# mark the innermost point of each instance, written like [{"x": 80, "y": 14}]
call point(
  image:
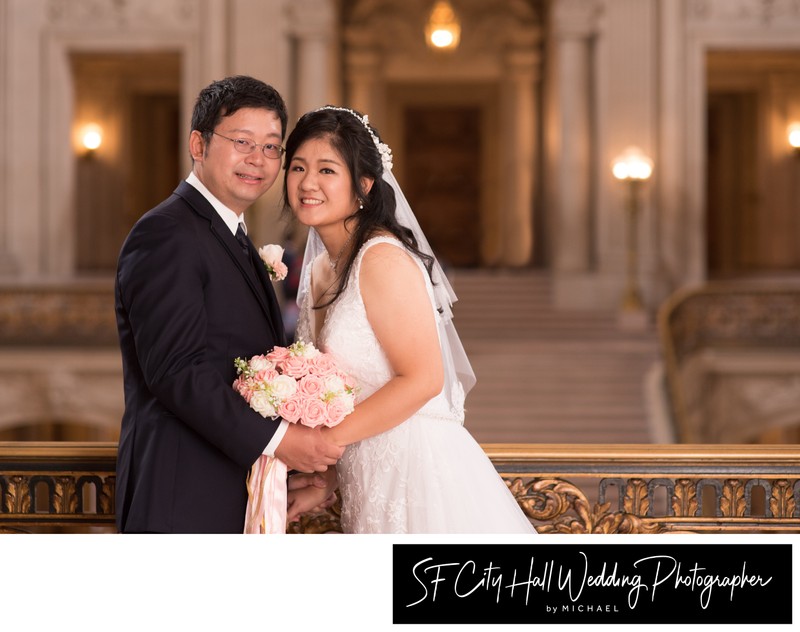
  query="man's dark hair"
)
[{"x": 222, "y": 98}]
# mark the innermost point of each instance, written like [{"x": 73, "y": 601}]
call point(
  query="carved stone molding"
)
[
  {"x": 395, "y": 27},
  {"x": 57, "y": 316},
  {"x": 743, "y": 12},
  {"x": 310, "y": 18},
  {"x": 576, "y": 18},
  {"x": 173, "y": 14},
  {"x": 732, "y": 359}
]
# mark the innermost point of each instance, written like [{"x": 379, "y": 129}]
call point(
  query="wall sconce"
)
[
  {"x": 793, "y": 134},
  {"x": 90, "y": 138},
  {"x": 443, "y": 30},
  {"x": 633, "y": 168}
]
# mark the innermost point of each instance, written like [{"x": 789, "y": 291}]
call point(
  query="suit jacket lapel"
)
[{"x": 252, "y": 270}]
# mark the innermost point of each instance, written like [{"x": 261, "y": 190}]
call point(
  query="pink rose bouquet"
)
[{"x": 300, "y": 384}]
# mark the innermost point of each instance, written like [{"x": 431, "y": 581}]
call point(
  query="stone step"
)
[{"x": 547, "y": 375}]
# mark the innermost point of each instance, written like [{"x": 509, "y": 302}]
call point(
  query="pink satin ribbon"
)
[{"x": 266, "y": 496}]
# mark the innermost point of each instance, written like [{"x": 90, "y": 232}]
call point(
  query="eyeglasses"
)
[{"x": 247, "y": 146}]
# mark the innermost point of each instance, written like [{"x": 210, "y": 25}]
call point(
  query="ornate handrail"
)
[
  {"x": 76, "y": 314},
  {"x": 733, "y": 316},
  {"x": 562, "y": 488},
  {"x": 57, "y": 485}
]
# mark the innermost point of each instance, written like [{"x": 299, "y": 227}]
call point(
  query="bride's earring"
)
[{"x": 360, "y": 205}]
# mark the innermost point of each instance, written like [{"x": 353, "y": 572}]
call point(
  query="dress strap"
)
[{"x": 387, "y": 239}]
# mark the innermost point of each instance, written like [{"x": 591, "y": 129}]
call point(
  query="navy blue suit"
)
[{"x": 188, "y": 301}]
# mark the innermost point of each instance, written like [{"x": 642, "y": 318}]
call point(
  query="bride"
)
[{"x": 374, "y": 296}]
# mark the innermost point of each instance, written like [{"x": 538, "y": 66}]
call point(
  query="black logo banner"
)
[{"x": 588, "y": 583}]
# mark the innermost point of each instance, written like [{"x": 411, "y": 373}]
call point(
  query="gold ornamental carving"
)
[
  {"x": 60, "y": 495},
  {"x": 733, "y": 502},
  {"x": 105, "y": 498},
  {"x": 555, "y": 485},
  {"x": 636, "y": 497},
  {"x": 558, "y": 506},
  {"x": 782, "y": 503},
  {"x": 65, "y": 498},
  {"x": 684, "y": 499},
  {"x": 18, "y": 497},
  {"x": 564, "y": 508}
]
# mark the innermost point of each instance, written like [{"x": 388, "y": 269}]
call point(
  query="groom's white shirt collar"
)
[{"x": 231, "y": 219}]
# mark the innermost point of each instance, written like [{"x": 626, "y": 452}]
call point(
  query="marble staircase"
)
[{"x": 548, "y": 376}]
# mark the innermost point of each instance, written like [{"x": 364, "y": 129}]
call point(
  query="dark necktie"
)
[{"x": 242, "y": 239}]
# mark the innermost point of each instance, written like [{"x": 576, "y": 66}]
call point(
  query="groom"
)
[{"x": 191, "y": 295}]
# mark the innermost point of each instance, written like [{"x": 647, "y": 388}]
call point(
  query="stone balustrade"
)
[{"x": 732, "y": 362}]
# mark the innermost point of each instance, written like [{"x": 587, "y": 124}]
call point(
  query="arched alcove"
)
[
  {"x": 134, "y": 100},
  {"x": 487, "y": 91}
]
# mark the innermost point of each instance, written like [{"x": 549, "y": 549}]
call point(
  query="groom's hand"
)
[
  {"x": 301, "y": 481},
  {"x": 307, "y": 450}
]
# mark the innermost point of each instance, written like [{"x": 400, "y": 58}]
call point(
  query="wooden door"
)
[
  {"x": 442, "y": 178},
  {"x": 733, "y": 197}
]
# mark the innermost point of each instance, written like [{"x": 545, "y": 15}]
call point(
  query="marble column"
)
[
  {"x": 519, "y": 133},
  {"x": 25, "y": 184},
  {"x": 313, "y": 26},
  {"x": 7, "y": 262},
  {"x": 363, "y": 81},
  {"x": 574, "y": 24}
]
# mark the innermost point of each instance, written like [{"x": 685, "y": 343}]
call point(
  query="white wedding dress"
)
[{"x": 426, "y": 475}]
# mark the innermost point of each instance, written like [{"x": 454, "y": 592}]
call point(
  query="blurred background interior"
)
[{"x": 613, "y": 186}]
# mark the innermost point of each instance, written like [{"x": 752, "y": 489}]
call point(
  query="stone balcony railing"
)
[
  {"x": 732, "y": 361},
  {"x": 65, "y": 486}
]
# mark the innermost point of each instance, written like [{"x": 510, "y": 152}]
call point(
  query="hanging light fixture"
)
[{"x": 443, "y": 30}]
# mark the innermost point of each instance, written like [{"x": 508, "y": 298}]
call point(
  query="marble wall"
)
[{"x": 576, "y": 82}]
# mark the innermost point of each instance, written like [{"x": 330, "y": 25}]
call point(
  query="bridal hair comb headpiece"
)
[{"x": 383, "y": 149}]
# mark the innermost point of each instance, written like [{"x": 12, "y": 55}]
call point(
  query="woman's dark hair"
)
[
  {"x": 226, "y": 96},
  {"x": 347, "y": 134}
]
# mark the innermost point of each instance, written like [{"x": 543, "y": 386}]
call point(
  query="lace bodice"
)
[{"x": 348, "y": 336}]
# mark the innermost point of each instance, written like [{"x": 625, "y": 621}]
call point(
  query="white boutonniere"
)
[{"x": 272, "y": 256}]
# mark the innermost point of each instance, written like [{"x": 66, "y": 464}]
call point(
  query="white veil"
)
[{"x": 459, "y": 377}]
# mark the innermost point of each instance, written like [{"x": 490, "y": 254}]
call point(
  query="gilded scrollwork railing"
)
[
  {"x": 46, "y": 486},
  {"x": 562, "y": 488},
  {"x": 644, "y": 488}
]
